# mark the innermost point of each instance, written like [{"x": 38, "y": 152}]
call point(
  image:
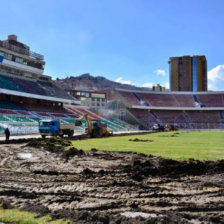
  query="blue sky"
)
[{"x": 123, "y": 40}]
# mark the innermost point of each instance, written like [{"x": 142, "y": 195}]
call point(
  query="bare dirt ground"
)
[{"x": 109, "y": 187}]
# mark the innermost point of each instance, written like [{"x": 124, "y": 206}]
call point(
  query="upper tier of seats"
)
[
  {"x": 211, "y": 100},
  {"x": 33, "y": 87},
  {"x": 192, "y": 100}
]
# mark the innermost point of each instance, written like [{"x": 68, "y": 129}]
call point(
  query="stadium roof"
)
[
  {"x": 176, "y": 108},
  {"x": 36, "y": 96},
  {"x": 169, "y": 92}
]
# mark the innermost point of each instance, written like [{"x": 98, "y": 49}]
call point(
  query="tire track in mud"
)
[{"x": 109, "y": 184}]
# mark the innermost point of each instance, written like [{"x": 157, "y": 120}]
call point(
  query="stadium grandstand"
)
[
  {"x": 188, "y": 110},
  {"x": 27, "y": 95}
]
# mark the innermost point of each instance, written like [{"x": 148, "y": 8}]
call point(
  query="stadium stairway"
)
[
  {"x": 155, "y": 117},
  {"x": 196, "y": 101},
  {"x": 136, "y": 96},
  {"x": 188, "y": 119},
  {"x": 221, "y": 118},
  {"x": 143, "y": 103}
]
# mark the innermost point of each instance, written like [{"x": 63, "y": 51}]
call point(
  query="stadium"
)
[
  {"x": 136, "y": 176},
  {"x": 27, "y": 95}
]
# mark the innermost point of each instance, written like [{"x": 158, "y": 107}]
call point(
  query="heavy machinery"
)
[
  {"x": 158, "y": 127},
  {"x": 55, "y": 128},
  {"x": 172, "y": 127},
  {"x": 94, "y": 127}
]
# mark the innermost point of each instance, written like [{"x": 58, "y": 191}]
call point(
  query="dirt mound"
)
[
  {"x": 73, "y": 152},
  {"x": 54, "y": 144},
  {"x": 156, "y": 166},
  {"x": 140, "y": 140}
]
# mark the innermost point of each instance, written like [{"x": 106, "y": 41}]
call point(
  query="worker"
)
[{"x": 7, "y": 134}]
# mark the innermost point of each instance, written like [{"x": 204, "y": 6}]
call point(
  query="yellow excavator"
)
[{"x": 95, "y": 128}]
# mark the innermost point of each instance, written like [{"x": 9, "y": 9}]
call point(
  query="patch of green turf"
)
[
  {"x": 201, "y": 145},
  {"x": 13, "y": 216}
]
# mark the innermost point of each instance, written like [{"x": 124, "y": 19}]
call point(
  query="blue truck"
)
[{"x": 55, "y": 127}]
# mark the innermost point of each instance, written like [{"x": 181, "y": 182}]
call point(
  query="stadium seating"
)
[
  {"x": 4, "y": 118},
  {"x": 144, "y": 116},
  {"x": 2, "y": 129},
  {"x": 28, "y": 86},
  {"x": 183, "y": 119},
  {"x": 21, "y": 119},
  {"x": 158, "y": 100},
  {"x": 130, "y": 98},
  {"x": 81, "y": 111},
  {"x": 3, "y": 111},
  {"x": 173, "y": 117},
  {"x": 53, "y": 90},
  {"x": 33, "y": 87},
  {"x": 111, "y": 124},
  {"x": 9, "y": 105},
  {"x": 184, "y": 100},
  {"x": 205, "y": 119},
  {"x": 5, "y": 83},
  {"x": 211, "y": 100},
  {"x": 153, "y": 99}
]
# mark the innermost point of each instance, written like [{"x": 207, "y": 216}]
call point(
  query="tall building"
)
[{"x": 188, "y": 73}]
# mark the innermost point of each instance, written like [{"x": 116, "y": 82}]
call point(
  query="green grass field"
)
[
  {"x": 201, "y": 145},
  {"x": 14, "y": 216}
]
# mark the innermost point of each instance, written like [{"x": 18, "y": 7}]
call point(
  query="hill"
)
[{"x": 89, "y": 82}]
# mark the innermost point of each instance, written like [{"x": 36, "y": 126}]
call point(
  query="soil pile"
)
[
  {"x": 140, "y": 140},
  {"x": 109, "y": 187}
]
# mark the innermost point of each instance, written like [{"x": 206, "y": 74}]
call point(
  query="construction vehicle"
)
[
  {"x": 55, "y": 128},
  {"x": 172, "y": 127},
  {"x": 158, "y": 127},
  {"x": 94, "y": 127}
]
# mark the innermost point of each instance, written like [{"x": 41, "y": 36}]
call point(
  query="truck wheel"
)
[
  {"x": 71, "y": 133},
  {"x": 56, "y": 134},
  {"x": 43, "y": 136},
  {"x": 61, "y": 135}
]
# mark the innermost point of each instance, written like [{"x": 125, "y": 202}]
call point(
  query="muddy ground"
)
[{"x": 109, "y": 187}]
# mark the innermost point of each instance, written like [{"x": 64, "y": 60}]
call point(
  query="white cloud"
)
[
  {"x": 167, "y": 85},
  {"x": 216, "y": 73},
  {"x": 216, "y": 78},
  {"x": 122, "y": 81},
  {"x": 147, "y": 85},
  {"x": 160, "y": 72}
]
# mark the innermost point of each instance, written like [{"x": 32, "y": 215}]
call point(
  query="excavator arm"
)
[{"x": 88, "y": 120}]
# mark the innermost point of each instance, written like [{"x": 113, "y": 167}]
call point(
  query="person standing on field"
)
[{"x": 7, "y": 135}]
